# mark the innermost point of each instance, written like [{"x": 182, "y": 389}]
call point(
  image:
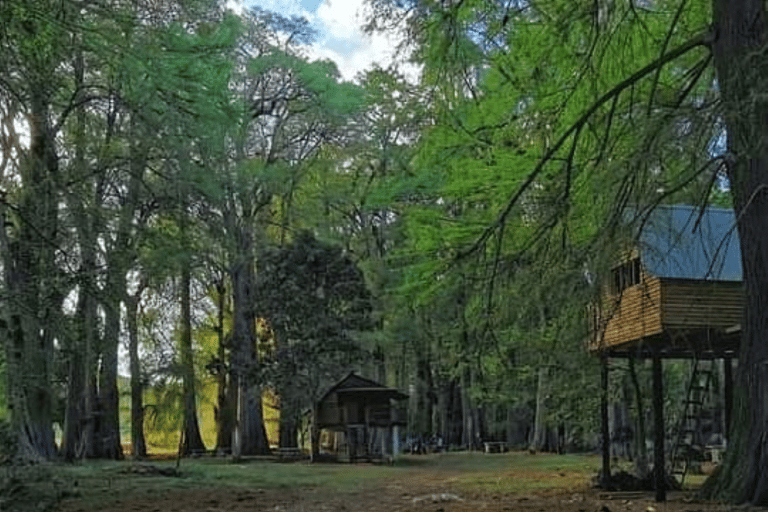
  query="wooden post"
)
[
  {"x": 728, "y": 392},
  {"x": 659, "y": 471},
  {"x": 395, "y": 441},
  {"x": 605, "y": 477}
]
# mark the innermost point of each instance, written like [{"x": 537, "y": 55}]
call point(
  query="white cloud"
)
[
  {"x": 284, "y": 7},
  {"x": 340, "y": 37},
  {"x": 343, "y": 40}
]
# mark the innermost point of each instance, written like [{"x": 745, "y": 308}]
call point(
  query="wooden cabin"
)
[
  {"x": 358, "y": 419},
  {"x": 678, "y": 291}
]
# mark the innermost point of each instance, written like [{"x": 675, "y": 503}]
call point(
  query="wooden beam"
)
[
  {"x": 659, "y": 471},
  {"x": 728, "y": 392},
  {"x": 605, "y": 476}
]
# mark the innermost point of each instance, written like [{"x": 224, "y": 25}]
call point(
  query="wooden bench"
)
[
  {"x": 289, "y": 454},
  {"x": 495, "y": 446}
]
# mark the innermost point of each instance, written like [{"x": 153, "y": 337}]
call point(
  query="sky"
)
[{"x": 339, "y": 35}]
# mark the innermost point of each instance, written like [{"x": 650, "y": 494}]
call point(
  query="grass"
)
[
  {"x": 472, "y": 472},
  {"x": 96, "y": 483},
  {"x": 100, "y": 482},
  {"x": 517, "y": 472}
]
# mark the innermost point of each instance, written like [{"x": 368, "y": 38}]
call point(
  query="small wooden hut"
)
[
  {"x": 678, "y": 293},
  {"x": 358, "y": 419}
]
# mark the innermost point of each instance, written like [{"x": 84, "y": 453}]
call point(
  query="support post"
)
[
  {"x": 659, "y": 471},
  {"x": 728, "y": 392},
  {"x": 395, "y": 441},
  {"x": 605, "y": 476}
]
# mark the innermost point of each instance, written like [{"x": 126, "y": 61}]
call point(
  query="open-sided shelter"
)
[
  {"x": 676, "y": 293},
  {"x": 360, "y": 418}
]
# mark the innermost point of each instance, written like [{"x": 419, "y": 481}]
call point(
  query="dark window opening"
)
[{"x": 625, "y": 275}]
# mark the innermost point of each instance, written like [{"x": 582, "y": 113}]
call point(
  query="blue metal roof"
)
[{"x": 684, "y": 242}]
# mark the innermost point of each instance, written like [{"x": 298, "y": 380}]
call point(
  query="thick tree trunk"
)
[
  {"x": 192, "y": 441},
  {"x": 78, "y": 435},
  {"x": 742, "y": 69},
  {"x": 225, "y": 398},
  {"x": 138, "y": 443},
  {"x": 250, "y": 435},
  {"x": 225, "y": 414},
  {"x": 108, "y": 434},
  {"x": 75, "y": 415},
  {"x": 31, "y": 287}
]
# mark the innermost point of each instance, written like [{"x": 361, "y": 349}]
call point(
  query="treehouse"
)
[
  {"x": 677, "y": 293},
  {"x": 358, "y": 419}
]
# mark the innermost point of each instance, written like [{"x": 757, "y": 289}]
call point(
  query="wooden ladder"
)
[{"x": 688, "y": 427}]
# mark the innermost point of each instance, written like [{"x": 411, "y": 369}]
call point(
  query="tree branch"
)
[{"x": 704, "y": 39}]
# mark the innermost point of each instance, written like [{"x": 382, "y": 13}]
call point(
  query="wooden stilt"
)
[
  {"x": 659, "y": 471},
  {"x": 605, "y": 476},
  {"x": 728, "y": 392}
]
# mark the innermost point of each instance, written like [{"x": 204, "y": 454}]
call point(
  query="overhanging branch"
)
[{"x": 704, "y": 39}]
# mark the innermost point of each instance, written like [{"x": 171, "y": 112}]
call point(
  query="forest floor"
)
[{"x": 455, "y": 482}]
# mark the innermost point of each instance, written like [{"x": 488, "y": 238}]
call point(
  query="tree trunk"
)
[
  {"x": 314, "y": 434},
  {"x": 75, "y": 415},
  {"x": 467, "y": 428},
  {"x": 641, "y": 460},
  {"x": 225, "y": 398},
  {"x": 138, "y": 443},
  {"x": 31, "y": 287},
  {"x": 108, "y": 444},
  {"x": 742, "y": 69},
  {"x": 192, "y": 441},
  {"x": 289, "y": 430},
  {"x": 78, "y": 435},
  {"x": 251, "y": 435},
  {"x": 539, "y": 440}
]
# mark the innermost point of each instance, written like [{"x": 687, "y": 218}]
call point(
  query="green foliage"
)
[
  {"x": 315, "y": 299},
  {"x": 546, "y": 127}
]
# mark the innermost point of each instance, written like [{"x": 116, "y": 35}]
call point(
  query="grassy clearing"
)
[
  {"x": 100, "y": 482},
  {"x": 517, "y": 472},
  {"x": 472, "y": 472}
]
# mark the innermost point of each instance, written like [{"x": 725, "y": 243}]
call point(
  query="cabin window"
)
[{"x": 626, "y": 275}]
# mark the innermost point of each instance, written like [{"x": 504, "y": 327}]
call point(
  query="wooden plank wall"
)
[
  {"x": 329, "y": 412},
  {"x": 635, "y": 314},
  {"x": 692, "y": 304}
]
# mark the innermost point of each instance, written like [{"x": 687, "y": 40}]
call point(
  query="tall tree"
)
[
  {"x": 620, "y": 103},
  {"x": 289, "y": 109},
  {"x": 315, "y": 299},
  {"x": 33, "y": 46}
]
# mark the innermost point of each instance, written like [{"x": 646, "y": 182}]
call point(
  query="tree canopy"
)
[{"x": 446, "y": 236}]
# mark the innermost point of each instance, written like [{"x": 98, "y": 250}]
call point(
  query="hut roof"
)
[
  {"x": 686, "y": 242},
  {"x": 354, "y": 384}
]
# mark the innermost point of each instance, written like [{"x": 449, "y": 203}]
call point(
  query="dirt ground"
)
[{"x": 425, "y": 491}]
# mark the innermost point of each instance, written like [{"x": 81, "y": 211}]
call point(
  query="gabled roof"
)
[
  {"x": 687, "y": 243},
  {"x": 355, "y": 384}
]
